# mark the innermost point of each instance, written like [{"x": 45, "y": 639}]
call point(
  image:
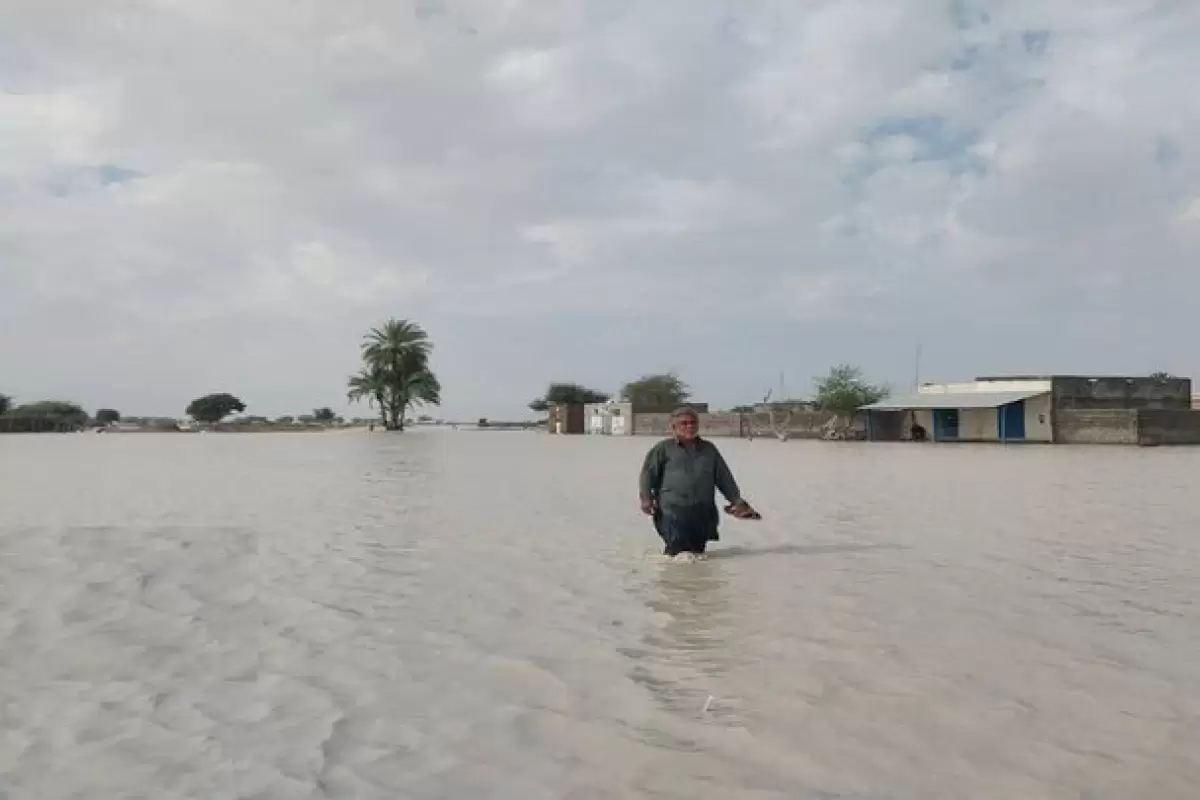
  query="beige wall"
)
[
  {"x": 925, "y": 420},
  {"x": 978, "y": 425},
  {"x": 725, "y": 423},
  {"x": 982, "y": 425},
  {"x": 1038, "y": 418}
]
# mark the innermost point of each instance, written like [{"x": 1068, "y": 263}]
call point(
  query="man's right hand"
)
[{"x": 649, "y": 507}]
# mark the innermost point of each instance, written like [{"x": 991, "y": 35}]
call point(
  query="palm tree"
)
[
  {"x": 396, "y": 371},
  {"x": 420, "y": 386},
  {"x": 369, "y": 384}
]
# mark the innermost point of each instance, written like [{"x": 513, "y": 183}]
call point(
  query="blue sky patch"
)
[
  {"x": 1035, "y": 42},
  {"x": 70, "y": 181},
  {"x": 1167, "y": 152},
  {"x": 935, "y": 141}
]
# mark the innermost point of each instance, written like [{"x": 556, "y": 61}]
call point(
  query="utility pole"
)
[{"x": 917, "y": 370}]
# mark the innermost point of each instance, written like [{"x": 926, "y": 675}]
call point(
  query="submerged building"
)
[{"x": 1050, "y": 409}]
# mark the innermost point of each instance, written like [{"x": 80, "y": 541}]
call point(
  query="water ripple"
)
[{"x": 440, "y": 615}]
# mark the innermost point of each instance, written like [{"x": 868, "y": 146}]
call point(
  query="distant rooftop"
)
[{"x": 1051, "y": 376}]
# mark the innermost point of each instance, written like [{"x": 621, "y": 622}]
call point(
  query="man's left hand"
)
[{"x": 742, "y": 510}]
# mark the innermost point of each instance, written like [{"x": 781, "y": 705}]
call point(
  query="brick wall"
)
[
  {"x": 1168, "y": 426},
  {"x": 1096, "y": 426}
]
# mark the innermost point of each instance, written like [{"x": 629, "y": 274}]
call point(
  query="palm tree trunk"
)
[
  {"x": 401, "y": 412},
  {"x": 383, "y": 415},
  {"x": 394, "y": 414}
]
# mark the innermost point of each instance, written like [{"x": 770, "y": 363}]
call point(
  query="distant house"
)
[
  {"x": 1050, "y": 408},
  {"x": 612, "y": 418}
]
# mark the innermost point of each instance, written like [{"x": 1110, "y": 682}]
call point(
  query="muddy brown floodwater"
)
[{"x": 472, "y": 614}]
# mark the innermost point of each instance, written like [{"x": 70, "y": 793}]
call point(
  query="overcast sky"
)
[{"x": 223, "y": 195}]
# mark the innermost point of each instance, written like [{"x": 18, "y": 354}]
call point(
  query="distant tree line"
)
[
  {"x": 43, "y": 416},
  {"x": 841, "y": 391},
  {"x": 60, "y": 416},
  {"x": 660, "y": 390}
]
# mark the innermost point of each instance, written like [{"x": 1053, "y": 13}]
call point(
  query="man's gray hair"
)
[{"x": 684, "y": 411}]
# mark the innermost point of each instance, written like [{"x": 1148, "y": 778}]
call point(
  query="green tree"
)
[
  {"x": 660, "y": 391},
  {"x": 45, "y": 415},
  {"x": 396, "y": 373},
  {"x": 843, "y": 390},
  {"x": 5, "y": 404},
  {"x": 369, "y": 385},
  {"x": 213, "y": 408},
  {"x": 107, "y": 416},
  {"x": 324, "y": 414},
  {"x": 567, "y": 393}
]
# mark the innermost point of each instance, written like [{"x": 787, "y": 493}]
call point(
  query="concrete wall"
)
[
  {"x": 801, "y": 425},
  {"x": 656, "y": 423},
  {"x": 722, "y": 423},
  {"x": 1096, "y": 426},
  {"x": 1082, "y": 392},
  {"x": 1039, "y": 418},
  {"x": 924, "y": 417},
  {"x": 699, "y": 408},
  {"x": 1168, "y": 426}
]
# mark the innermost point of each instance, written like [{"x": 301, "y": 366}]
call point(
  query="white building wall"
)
[
  {"x": 620, "y": 419},
  {"x": 924, "y": 417},
  {"x": 983, "y": 425},
  {"x": 1037, "y": 418},
  {"x": 600, "y": 419}
]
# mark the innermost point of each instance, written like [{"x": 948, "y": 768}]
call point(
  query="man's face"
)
[{"x": 686, "y": 426}]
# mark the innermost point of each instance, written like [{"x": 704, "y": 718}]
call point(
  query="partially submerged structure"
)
[
  {"x": 1049, "y": 408},
  {"x": 565, "y": 418},
  {"x": 612, "y": 418}
]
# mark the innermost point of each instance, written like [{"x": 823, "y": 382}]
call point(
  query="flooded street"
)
[{"x": 484, "y": 615}]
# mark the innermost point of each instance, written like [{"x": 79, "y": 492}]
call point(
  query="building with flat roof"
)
[{"x": 1040, "y": 408}]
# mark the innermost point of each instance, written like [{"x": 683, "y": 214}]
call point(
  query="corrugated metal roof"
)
[{"x": 949, "y": 400}]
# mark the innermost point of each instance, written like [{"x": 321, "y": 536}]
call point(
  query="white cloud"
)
[{"x": 497, "y": 167}]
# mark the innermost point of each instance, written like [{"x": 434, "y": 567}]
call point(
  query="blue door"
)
[
  {"x": 945, "y": 423},
  {"x": 1011, "y": 421}
]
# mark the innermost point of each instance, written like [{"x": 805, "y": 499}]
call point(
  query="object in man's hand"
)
[{"x": 742, "y": 511}]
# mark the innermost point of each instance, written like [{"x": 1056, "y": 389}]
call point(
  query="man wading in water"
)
[{"x": 676, "y": 486}]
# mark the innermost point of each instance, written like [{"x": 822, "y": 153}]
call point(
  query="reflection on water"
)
[{"x": 689, "y": 640}]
